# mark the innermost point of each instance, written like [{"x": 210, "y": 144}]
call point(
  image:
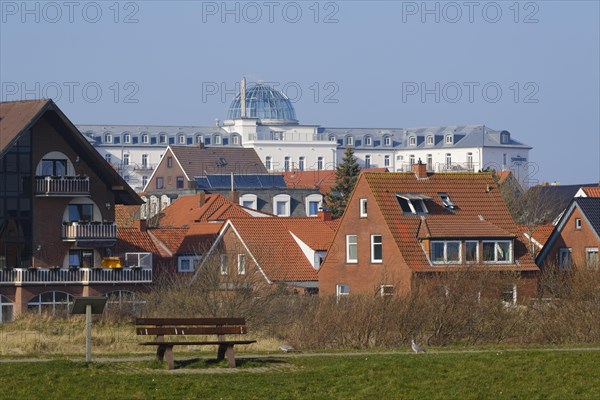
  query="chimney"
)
[
  {"x": 324, "y": 215},
  {"x": 141, "y": 225},
  {"x": 201, "y": 198},
  {"x": 420, "y": 170},
  {"x": 235, "y": 196}
]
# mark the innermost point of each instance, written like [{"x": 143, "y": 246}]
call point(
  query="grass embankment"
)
[{"x": 566, "y": 374}]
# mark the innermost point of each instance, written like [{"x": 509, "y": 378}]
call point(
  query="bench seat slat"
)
[
  {"x": 190, "y": 321},
  {"x": 197, "y": 343},
  {"x": 193, "y": 330}
]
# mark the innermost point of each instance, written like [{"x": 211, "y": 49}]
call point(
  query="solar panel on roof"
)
[{"x": 245, "y": 181}]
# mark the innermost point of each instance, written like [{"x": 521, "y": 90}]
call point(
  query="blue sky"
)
[{"x": 528, "y": 67}]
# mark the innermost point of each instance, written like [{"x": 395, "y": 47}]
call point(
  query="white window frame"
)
[
  {"x": 126, "y": 159},
  {"x": 411, "y": 160},
  {"x": 145, "y": 138},
  {"x": 248, "y": 197},
  {"x": 368, "y": 161},
  {"x": 224, "y": 266},
  {"x": 235, "y": 139},
  {"x": 449, "y": 139},
  {"x": 349, "y": 140},
  {"x": 362, "y": 208},
  {"x": 430, "y": 162},
  {"x": 311, "y": 199},
  {"x": 373, "y": 244},
  {"x": 217, "y": 139},
  {"x": 448, "y": 160},
  {"x": 108, "y": 138},
  {"x": 163, "y": 139},
  {"x": 286, "y": 163},
  {"x": 513, "y": 289},
  {"x": 430, "y": 139},
  {"x": 108, "y": 157},
  {"x": 181, "y": 139},
  {"x": 387, "y": 141},
  {"x": 446, "y": 262},
  {"x": 476, "y": 251},
  {"x": 269, "y": 163},
  {"x": 588, "y": 251},
  {"x": 138, "y": 260},
  {"x": 348, "y": 244},
  {"x": 495, "y": 261},
  {"x": 386, "y": 290},
  {"x": 342, "y": 289},
  {"x": 368, "y": 140},
  {"x": 320, "y": 163},
  {"x": 192, "y": 263},
  {"x": 241, "y": 264},
  {"x": 412, "y": 141},
  {"x": 562, "y": 253},
  {"x": 301, "y": 163},
  {"x": 577, "y": 223},
  {"x": 282, "y": 198},
  {"x": 127, "y": 138},
  {"x": 412, "y": 207},
  {"x": 386, "y": 161}
]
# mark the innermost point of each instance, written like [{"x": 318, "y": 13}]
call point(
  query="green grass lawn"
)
[{"x": 531, "y": 374}]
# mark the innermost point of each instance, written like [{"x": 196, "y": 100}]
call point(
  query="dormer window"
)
[
  {"x": 108, "y": 138},
  {"x": 368, "y": 141},
  {"x": 412, "y": 141},
  {"x": 449, "y": 139},
  {"x": 144, "y": 138},
  {"x": 446, "y": 201},
  {"x": 217, "y": 139},
  {"x": 430, "y": 139},
  {"x": 504, "y": 137},
  {"x": 163, "y": 138},
  {"x": 181, "y": 139},
  {"x": 332, "y": 138},
  {"x": 349, "y": 140},
  {"x": 412, "y": 203},
  {"x": 199, "y": 139},
  {"x": 235, "y": 139},
  {"x": 387, "y": 141},
  {"x": 127, "y": 138}
]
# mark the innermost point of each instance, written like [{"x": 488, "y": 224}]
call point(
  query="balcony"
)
[
  {"x": 144, "y": 167},
  {"x": 82, "y": 276},
  {"x": 62, "y": 186},
  {"x": 89, "y": 231},
  {"x": 290, "y": 136}
]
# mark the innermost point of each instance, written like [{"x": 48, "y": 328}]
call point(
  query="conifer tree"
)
[{"x": 346, "y": 175}]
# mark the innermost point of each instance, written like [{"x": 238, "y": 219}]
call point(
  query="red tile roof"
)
[
  {"x": 592, "y": 191},
  {"x": 322, "y": 180},
  {"x": 279, "y": 255},
  {"x": 169, "y": 238},
  {"x": 186, "y": 210},
  {"x": 541, "y": 233},
  {"x": 132, "y": 240},
  {"x": 455, "y": 226},
  {"x": 126, "y": 216},
  {"x": 473, "y": 194}
]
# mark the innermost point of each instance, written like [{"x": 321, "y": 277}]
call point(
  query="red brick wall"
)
[
  {"x": 364, "y": 276},
  {"x": 169, "y": 174}
]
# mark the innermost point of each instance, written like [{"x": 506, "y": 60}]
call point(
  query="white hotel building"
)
[{"x": 264, "y": 119}]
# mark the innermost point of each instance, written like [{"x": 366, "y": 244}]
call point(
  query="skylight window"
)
[
  {"x": 413, "y": 203},
  {"x": 446, "y": 201}
]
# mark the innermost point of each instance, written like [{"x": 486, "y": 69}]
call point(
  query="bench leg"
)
[
  {"x": 160, "y": 353},
  {"x": 230, "y": 356},
  {"x": 169, "y": 357}
]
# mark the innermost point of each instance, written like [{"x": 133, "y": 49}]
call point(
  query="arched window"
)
[
  {"x": 281, "y": 205},
  {"x": 249, "y": 201},
  {"x": 53, "y": 303}
]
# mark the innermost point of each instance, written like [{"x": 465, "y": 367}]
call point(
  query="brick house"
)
[
  {"x": 271, "y": 251},
  {"x": 576, "y": 238},
  {"x": 57, "y": 213},
  {"x": 400, "y": 229}
]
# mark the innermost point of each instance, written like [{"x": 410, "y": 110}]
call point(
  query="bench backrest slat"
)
[
  {"x": 190, "y": 321},
  {"x": 193, "y": 330}
]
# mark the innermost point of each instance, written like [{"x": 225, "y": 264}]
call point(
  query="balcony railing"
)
[
  {"x": 43, "y": 276},
  {"x": 144, "y": 167},
  {"x": 62, "y": 185},
  {"x": 72, "y": 231},
  {"x": 291, "y": 136}
]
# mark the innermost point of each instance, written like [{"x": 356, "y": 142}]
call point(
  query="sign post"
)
[{"x": 88, "y": 306}]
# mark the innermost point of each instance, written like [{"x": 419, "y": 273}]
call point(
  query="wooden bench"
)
[{"x": 192, "y": 326}]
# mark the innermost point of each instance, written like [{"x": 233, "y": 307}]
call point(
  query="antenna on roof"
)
[{"x": 243, "y": 98}]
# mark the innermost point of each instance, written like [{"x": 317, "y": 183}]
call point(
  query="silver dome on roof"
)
[{"x": 265, "y": 103}]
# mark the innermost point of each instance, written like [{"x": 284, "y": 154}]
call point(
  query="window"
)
[
  {"x": 249, "y": 201},
  {"x": 145, "y": 160},
  {"x": 362, "y": 208},
  {"x": 144, "y": 180},
  {"x": 144, "y": 138},
  {"x": 81, "y": 212},
  {"x": 207, "y": 141},
  {"x": 386, "y": 161},
  {"x": 342, "y": 290},
  {"x": 313, "y": 202},
  {"x": 412, "y": 141},
  {"x": 332, "y": 138},
  {"x": 367, "y": 140},
  {"x": 445, "y": 252},
  {"x": 126, "y": 177},
  {"x": 108, "y": 138},
  {"x": 160, "y": 182},
  {"x": 446, "y": 201},
  {"x": 471, "y": 251},
  {"x": 367, "y": 161},
  {"x": 386, "y": 290},
  {"x": 81, "y": 258},
  {"x": 319, "y": 163},
  {"x": 117, "y": 139},
  {"x": 430, "y": 162},
  {"x": 591, "y": 258},
  {"x": 235, "y": 139},
  {"x": 497, "y": 251},
  {"x": 411, "y": 203},
  {"x": 313, "y": 208},
  {"x": 181, "y": 139},
  {"x": 281, "y": 205},
  {"x": 448, "y": 160},
  {"x": 286, "y": 163},
  {"x": 449, "y": 139},
  {"x": 54, "y": 167},
  {"x": 411, "y": 159},
  {"x": 241, "y": 264},
  {"x": 565, "y": 259},
  {"x": 504, "y": 163},
  {"x": 53, "y": 303},
  {"x": 199, "y": 139},
  {"x": 138, "y": 260},
  {"x": 349, "y": 140},
  {"x": 268, "y": 164},
  {"x": 470, "y": 160},
  {"x": 125, "y": 159},
  {"x": 127, "y": 138},
  {"x": 224, "y": 269},
  {"x": 6, "y": 310},
  {"x": 301, "y": 163},
  {"x": 376, "y": 249},
  {"x": 351, "y": 249},
  {"x": 387, "y": 141},
  {"x": 187, "y": 263},
  {"x": 163, "y": 138},
  {"x": 509, "y": 294},
  {"x": 108, "y": 158},
  {"x": 217, "y": 139},
  {"x": 504, "y": 137},
  {"x": 577, "y": 223},
  {"x": 179, "y": 182},
  {"x": 430, "y": 139},
  {"x": 169, "y": 162}
]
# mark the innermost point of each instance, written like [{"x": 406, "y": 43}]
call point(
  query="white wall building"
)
[{"x": 264, "y": 119}]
